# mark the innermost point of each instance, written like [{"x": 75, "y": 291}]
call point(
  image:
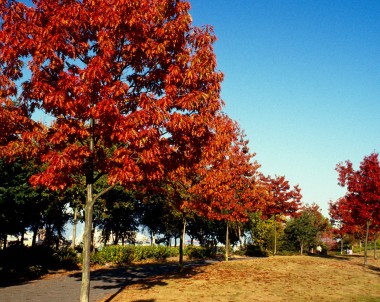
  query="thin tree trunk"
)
[
  {"x": 74, "y": 227},
  {"x": 227, "y": 243},
  {"x": 22, "y": 237},
  {"x": 341, "y": 245},
  {"x": 92, "y": 248},
  {"x": 375, "y": 248},
  {"x": 89, "y": 210},
  {"x": 87, "y": 236},
  {"x": 301, "y": 249},
  {"x": 152, "y": 238},
  {"x": 240, "y": 237},
  {"x": 182, "y": 244},
  {"x": 275, "y": 236},
  {"x": 35, "y": 232},
  {"x": 366, "y": 242},
  {"x": 116, "y": 239},
  {"x": 5, "y": 241}
]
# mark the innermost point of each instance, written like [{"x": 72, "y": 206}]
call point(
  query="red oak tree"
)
[
  {"x": 279, "y": 199},
  {"x": 128, "y": 85},
  {"x": 342, "y": 220},
  {"x": 228, "y": 186},
  {"x": 361, "y": 204}
]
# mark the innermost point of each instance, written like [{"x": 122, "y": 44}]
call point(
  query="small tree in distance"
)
[
  {"x": 279, "y": 200},
  {"x": 305, "y": 228}
]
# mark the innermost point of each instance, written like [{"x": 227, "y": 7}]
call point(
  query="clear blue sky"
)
[{"x": 302, "y": 78}]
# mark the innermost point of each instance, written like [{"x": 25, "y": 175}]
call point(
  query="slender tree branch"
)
[{"x": 103, "y": 192}]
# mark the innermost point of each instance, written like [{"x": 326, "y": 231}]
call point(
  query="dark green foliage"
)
[
  {"x": 117, "y": 254},
  {"x": 198, "y": 252},
  {"x": 255, "y": 251},
  {"x": 23, "y": 207},
  {"x": 20, "y": 263},
  {"x": 287, "y": 253},
  {"x": 65, "y": 258},
  {"x": 117, "y": 216},
  {"x": 159, "y": 217},
  {"x": 303, "y": 232}
]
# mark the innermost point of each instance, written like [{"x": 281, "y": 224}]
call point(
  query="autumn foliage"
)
[
  {"x": 128, "y": 85},
  {"x": 359, "y": 210},
  {"x": 280, "y": 198}
]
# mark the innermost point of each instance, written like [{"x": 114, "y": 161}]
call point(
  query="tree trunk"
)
[
  {"x": 275, "y": 236},
  {"x": 301, "y": 246},
  {"x": 240, "y": 238},
  {"x": 87, "y": 236},
  {"x": 92, "y": 247},
  {"x": 341, "y": 245},
  {"x": 35, "y": 232},
  {"x": 182, "y": 244},
  {"x": 116, "y": 238},
  {"x": 22, "y": 237},
  {"x": 74, "y": 228},
  {"x": 201, "y": 241},
  {"x": 227, "y": 243},
  {"x": 152, "y": 238},
  {"x": 375, "y": 248},
  {"x": 5, "y": 241},
  {"x": 89, "y": 210},
  {"x": 366, "y": 242}
]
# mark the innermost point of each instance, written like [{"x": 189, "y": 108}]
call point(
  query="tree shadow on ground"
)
[
  {"x": 354, "y": 259},
  {"x": 146, "y": 275}
]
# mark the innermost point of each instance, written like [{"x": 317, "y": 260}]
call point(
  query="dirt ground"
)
[{"x": 279, "y": 278}]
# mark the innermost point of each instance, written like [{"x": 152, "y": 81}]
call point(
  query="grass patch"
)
[{"x": 279, "y": 278}]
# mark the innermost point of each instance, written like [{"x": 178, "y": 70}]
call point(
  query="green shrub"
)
[
  {"x": 287, "y": 253},
  {"x": 65, "y": 258},
  {"x": 256, "y": 251},
  {"x": 197, "y": 252},
  {"x": 116, "y": 254},
  {"x": 240, "y": 252}
]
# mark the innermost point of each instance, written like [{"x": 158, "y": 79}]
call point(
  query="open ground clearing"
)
[{"x": 280, "y": 278}]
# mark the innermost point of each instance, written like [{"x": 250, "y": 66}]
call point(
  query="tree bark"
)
[
  {"x": 240, "y": 238},
  {"x": 341, "y": 245},
  {"x": 22, "y": 237},
  {"x": 375, "y": 248},
  {"x": 182, "y": 244},
  {"x": 275, "y": 236},
  {"x": 88, "y": 213},
  {"x": 366, "y": 242},
  {"x": 35, "y": 233},
  {"x": 227, "y": 243},
  {"x": 74, "y": 228},
  {"x": 87, "y": 236}
]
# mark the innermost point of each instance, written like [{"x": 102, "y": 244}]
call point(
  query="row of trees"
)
[
  {"x": 132, "y": 91},
  {"x": 119, "y": 214},
  {"x": 358, "y": 212}
]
